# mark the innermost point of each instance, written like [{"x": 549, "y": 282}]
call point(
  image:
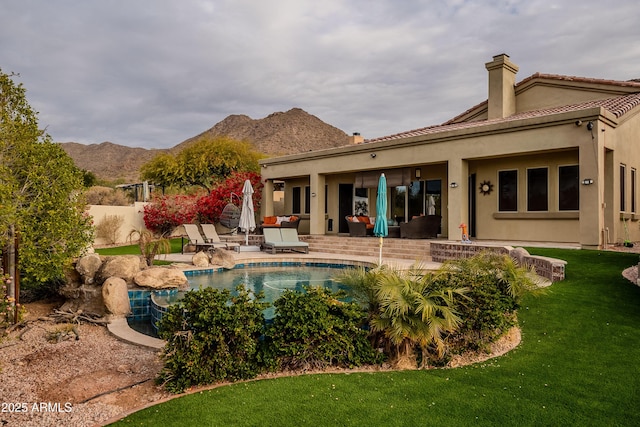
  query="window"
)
[
  {"x": 398, "y": 202},
  {"x": 633, "y": 190},
  {"x": 296, "y": 208},
  {"x": 416, "y": 198},
  {"x": 537, "y": 189},
  {"x": 307, "y": 199},
  {"x": 568, "y": 188},
  {"x": 508, "y": 191},
  {"x": 623, "y": 179},
  {"x": 326, "y": 197}
]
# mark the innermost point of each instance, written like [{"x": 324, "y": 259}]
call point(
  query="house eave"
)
[{"x": 474, "y": 130}]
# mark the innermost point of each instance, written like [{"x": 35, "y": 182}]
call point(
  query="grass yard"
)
[
  {"x": 578, "y": 364},
  {"x": 176, "y": 247}
]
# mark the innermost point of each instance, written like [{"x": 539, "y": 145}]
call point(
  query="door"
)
[{"x": 345, "y": 206}]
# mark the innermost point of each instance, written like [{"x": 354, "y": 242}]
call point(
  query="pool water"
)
[{"x": 272, "y": 280}]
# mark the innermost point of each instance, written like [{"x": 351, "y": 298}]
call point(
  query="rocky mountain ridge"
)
[{"x": 290, "y": 132}]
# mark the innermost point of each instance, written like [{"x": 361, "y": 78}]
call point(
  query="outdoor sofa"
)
[
  {"x": 283, "y": 221},
  {"x": 421, "y": 227}
]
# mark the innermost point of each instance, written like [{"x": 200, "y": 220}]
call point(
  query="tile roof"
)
[
  {"x": 629, "y": 83},
  {"x": 618, "y": 106}
]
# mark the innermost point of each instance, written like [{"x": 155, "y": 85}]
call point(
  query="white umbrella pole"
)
[{"x": 380, "y": 255}]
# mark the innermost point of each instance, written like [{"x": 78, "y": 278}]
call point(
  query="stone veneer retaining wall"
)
[{"x": 549, "y": 268}]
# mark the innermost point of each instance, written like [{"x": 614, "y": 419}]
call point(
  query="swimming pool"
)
[
  {"x": 273, "y": 281},
  {"x": 270, "y": 278}
]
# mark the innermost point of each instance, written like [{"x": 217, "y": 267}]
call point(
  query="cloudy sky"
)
[{"x": 152, "y": 73}]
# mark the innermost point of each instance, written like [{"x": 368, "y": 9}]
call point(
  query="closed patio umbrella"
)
[
  {"x": 247, "y": 217},
  {"x": 381, "y": 228}
]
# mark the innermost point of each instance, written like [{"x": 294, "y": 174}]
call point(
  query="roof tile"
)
[{"x": 618, "y": 106}]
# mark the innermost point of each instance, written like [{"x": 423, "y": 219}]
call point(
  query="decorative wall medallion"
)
[{"x": 486, "y": 187}]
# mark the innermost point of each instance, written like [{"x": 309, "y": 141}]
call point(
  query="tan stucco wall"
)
[
  {"x": 133, "y": 218},
  {"x": 455, "y": 153},
  {"x": 625, "y": 140},
  {"x": 538, "y": 226}
]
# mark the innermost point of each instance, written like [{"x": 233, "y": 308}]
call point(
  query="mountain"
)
[
  {"x": 291, "y": 132},
  {"x": 294, "y": 131},
  {"x": 110, "y": 161}
]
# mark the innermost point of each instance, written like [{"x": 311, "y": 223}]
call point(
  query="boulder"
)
[
  {"x": 124, "y": 267},
  {"x": 201, "y": 259},
  {"x": 88, "y": 266},
  {"x": 223, "y": 258},
  {"x": 161, "y": 278},
  {"x": 116, "y": 296}
]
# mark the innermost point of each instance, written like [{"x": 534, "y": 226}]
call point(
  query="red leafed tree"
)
[
  {"x": 210, "y": 206},
  {"x": 165, "y": 213}
]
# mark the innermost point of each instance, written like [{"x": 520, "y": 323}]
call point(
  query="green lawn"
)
[
  {"x": 176, "y": 247},
  {"x": 578, "y": 364}
]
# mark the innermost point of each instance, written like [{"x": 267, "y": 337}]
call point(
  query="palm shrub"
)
[
  {"x": 495, "y": 284},
  {"x": 314, "y": 330},
  {"x": 150, "y": 245},
  {"x": 212, "y": 336},
  {"x": 415, "y": 315}
]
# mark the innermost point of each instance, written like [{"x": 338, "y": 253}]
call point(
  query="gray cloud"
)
[{"x": 152, "y": 73}]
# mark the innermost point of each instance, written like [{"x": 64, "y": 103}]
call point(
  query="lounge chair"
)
[
  {"x": 211, "y": 236},
  {"x": 283, "y": 239},
  {"x": 196, "y": 239}
]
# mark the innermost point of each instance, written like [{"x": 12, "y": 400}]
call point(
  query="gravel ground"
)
[{"x": 81, "y": 382}]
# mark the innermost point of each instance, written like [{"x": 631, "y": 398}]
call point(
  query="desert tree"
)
[
  {"x": 204, "y": 163},
  {"x": 40, "y": 192}
]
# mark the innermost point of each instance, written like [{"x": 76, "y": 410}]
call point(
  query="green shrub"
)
[
  {"x": 212, "y": 336},
  {"x": 495, "y": 285},
  {"x": 315, "y": 329}
]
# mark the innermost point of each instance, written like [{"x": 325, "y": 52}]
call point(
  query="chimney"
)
[
  {"x": 502, "y": 80},
  {"x": 356, "y": 138}
]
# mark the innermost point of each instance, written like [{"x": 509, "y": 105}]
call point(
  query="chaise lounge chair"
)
[
  {"x": 196, "y": 239},
  {"x": 283, "y": 239},
  {"x": 211, "y": 236}
]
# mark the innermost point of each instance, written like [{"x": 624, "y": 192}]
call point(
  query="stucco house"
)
[{"x": 550, "y": 158}]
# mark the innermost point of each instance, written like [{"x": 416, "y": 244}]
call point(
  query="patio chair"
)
[
  {"x": 359, "y": 226},
  {"x": 283, "y": 239},
  {"x": 211, "y": 236},
  {"x": 196, "y": 239}
]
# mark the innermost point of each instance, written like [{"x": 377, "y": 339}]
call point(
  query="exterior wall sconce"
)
[
  {"x": 418, "y": 173},
  {"x": 373, "y": 155},
  {"x": 587, "y": 181},
  {"x": 313, "y": 194},
  {"x": 453, "y": 185}
]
